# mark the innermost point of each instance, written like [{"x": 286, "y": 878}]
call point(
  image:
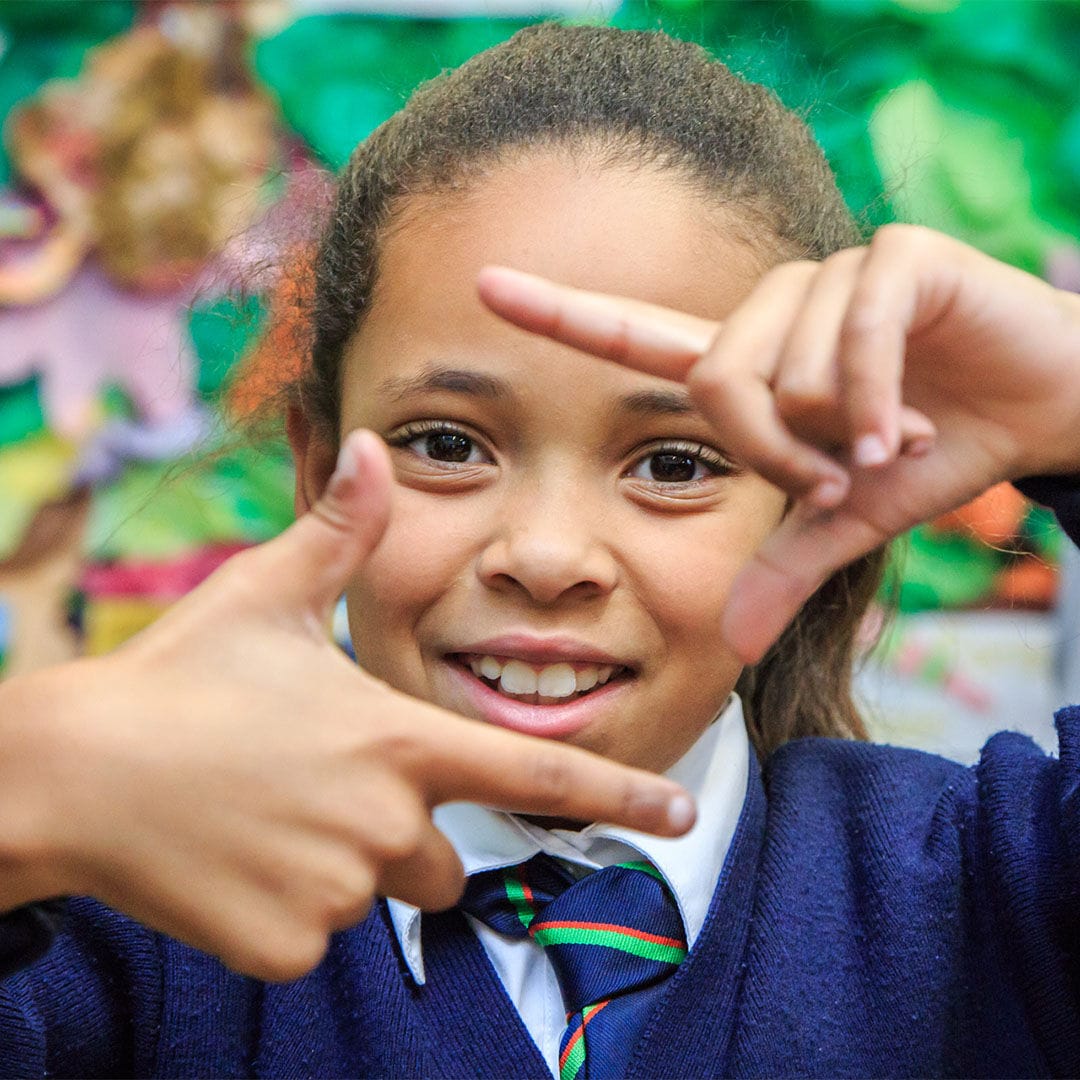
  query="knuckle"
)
[
  {"x": 892, "y": 233},
  {"x": 282, "y": 959},
  {"x": 708, "y": 382},
  {"x": 445, "y": 889},
  {"x": 400, "y": 834},
  {"x": 635, "y": 804},
  {"x": 453, "y": 888},
  {"x": 787, "y": 461},
  {"x": 898, "y": 235},
  {"x": 551, "y": 776},
  {"x": 843, "y": 259},
  {"x": 862, "y": 379},
  {"x": 619, "y": 345},
  {"x": 796, "y": 391},
  {"x": 865, "y": 318},
  {"x": 351, "y": 903},
  {"x": 796, "y": 270},
  {"x": 398, "y": 745},
  {"x": 794, "y": 583}
]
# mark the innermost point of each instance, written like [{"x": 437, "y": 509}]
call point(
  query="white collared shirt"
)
[{"x": 714, "y": 771}]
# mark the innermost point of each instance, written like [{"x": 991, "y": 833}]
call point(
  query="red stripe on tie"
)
[
  {"x": 629, "y": 931},
  {"x": 578, "y": 1034}
]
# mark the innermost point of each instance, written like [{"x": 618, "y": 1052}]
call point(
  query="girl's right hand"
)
[
  {"x": 879, "y": 388},
  {"x": 230, "y": 778}
]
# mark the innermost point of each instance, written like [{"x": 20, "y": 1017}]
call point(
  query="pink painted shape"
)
[
  {"x": 156, "y": 580},
  {"x": 93, "y": 334}
]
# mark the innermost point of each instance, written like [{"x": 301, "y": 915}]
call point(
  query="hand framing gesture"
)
[
  {"x": 230, "y": 778},
  {"x": 879, "y": 388}
]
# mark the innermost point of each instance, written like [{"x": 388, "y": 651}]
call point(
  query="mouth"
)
[
  {"x": 540, "y": 684},
  {"x": 548, "y": 697}
]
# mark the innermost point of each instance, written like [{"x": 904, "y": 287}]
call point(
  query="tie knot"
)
[{"x": 610, "y": 933}]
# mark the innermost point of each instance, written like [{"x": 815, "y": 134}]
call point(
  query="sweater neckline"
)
[{"x": 463, "y": 1002}]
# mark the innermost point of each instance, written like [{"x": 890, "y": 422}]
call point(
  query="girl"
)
[{"x": 598, "y": 555}]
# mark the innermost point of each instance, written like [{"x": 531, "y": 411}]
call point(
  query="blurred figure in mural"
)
[{"x": 144, "y": 167}]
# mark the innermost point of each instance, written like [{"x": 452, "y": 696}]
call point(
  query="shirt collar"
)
[{"x": 714, "y": 770}]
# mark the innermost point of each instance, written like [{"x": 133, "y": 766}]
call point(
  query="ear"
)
[{"x": 314, "y": 456}]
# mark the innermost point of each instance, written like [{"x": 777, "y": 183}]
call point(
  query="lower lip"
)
[{"x": 547, "y": 721}]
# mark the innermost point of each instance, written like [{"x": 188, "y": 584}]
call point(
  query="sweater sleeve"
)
[
  {"x": 91, "y": 1005},
  {"x": 1028, "y": 830},
  {"x": 1029, "y": 844}
]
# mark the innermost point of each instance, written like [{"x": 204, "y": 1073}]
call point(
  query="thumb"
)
[
  {"x": 316, "y": 557},
  {"x": 809, "y": 545}
]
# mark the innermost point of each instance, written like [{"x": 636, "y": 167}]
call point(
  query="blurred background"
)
[{"x": 163, "y": 162}]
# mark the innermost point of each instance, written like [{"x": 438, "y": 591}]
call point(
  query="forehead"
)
[{"x": 638, "y": 232}]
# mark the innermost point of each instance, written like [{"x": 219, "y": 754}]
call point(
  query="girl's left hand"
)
[{"x": 879, "y": 388}]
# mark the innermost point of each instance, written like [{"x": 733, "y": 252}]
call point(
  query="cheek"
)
[
  {"x": 696, "y": 572},
  {"x": 692, "y": 599},
  {"x": 416, "y": 564}
]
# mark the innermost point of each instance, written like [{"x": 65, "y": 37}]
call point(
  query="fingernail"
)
[
  {"x": 869, "y": 450},
  {"x": 829, "y": 492},
  {"x": 345, "y": 469},
  {"x": 681, "y": 812}
]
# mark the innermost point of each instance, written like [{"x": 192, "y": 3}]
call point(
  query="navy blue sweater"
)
[{"x": 882, "y": 912}]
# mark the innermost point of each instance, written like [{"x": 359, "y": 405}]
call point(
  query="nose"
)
[{"x": 549, "y": 550}]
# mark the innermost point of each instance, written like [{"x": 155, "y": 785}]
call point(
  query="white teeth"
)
[
  {"x": 585, "y": 679},
  {"x": 549, "y": 685},
  {"x": 518, "y": 678},
  {"x": 557, "y": 681}
]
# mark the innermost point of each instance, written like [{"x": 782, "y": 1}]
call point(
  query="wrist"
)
[{"x": 31, "y": 818}]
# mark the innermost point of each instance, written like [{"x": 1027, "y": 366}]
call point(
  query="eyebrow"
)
[
  {"x": 455, "y": 380},
  {"x": 650, "y": 402},
  {"x": 674, "y": 402}
]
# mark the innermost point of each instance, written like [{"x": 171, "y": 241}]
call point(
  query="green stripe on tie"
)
[
  {"x": 574, "y": 935},
  {"x": 515, "y": 893},
  {"x": 574, "y": 1060},
  {"x": 645, "y": 868}
]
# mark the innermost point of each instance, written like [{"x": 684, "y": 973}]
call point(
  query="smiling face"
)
[{"x": 564, "y": 531}]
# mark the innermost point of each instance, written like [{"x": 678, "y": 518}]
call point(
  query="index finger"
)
[
  {"x": 473, "y": 762},
  {"x": 650, "y": 338}
]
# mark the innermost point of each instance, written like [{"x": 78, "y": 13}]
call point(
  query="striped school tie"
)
[{"x": 612, "y": 937}]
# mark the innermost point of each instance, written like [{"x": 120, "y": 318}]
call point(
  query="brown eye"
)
[
  {"x": 448, "y": 446},
  {"x": 680, "y": 462},
  {"x": 674, "y": 468},
  {"x": 439, "y": 441}
]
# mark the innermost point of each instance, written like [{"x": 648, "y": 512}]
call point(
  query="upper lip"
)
[{"x": 542, "y": 650}]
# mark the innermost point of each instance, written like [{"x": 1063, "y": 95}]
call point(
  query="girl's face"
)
[{"x": 564, "y": 530}]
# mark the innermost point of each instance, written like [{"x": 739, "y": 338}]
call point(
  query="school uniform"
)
[
  {"x": 876, "y": 911},
  {"x": 714, "y": 771}
]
